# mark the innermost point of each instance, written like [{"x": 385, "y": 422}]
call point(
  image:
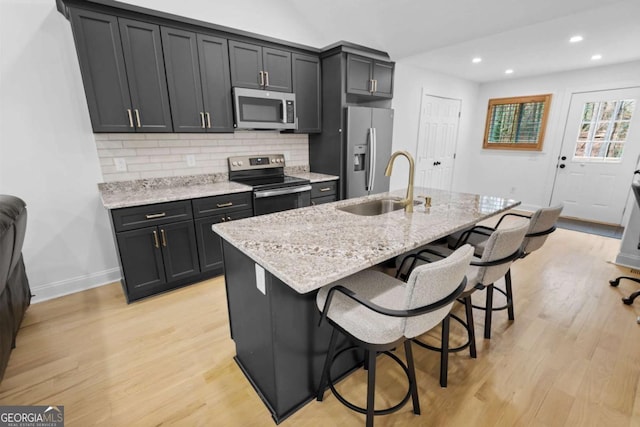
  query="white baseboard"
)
[{"x": 76, "y": 284}]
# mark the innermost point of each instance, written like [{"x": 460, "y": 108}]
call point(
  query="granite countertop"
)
[
  {"x": 311, "y": 247},
  {"x": 123, "y": 194},
  {"x": 140, "y": 192},
  {"x": 314, "y": 176}
]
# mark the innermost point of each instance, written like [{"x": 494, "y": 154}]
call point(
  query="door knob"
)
[
  {"x": 562, "y": 166},
  {"x": 563, "y": 158}
]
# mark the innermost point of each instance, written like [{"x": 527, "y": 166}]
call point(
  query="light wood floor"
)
[{"x": 571, "y": 358}]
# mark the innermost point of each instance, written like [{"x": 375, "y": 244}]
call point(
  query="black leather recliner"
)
[{"x": 15, "y": 294}]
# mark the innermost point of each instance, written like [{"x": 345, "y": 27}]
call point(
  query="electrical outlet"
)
[
  {"x": 191, "y": 160},
  {"x": 121, "y": 164},
  {"x": 513, "y": 190}
]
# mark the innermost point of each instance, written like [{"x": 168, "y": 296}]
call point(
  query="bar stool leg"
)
[
  {"x": 444, "y": 353},
  {"x": 468, "y": 308},
  {"x": 488, "y": 312},
  {"x": 324, "y": 378},
  {"x": 412, "y": 377},
  {"x": 509, "y": 291},
  {"x": 371, "y": 388}
]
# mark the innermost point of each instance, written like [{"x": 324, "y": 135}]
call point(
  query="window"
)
[
  {"x": 516, "y": 123},
  {"x": 603, "y": 130}
]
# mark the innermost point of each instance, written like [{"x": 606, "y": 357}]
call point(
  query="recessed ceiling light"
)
[
  {"x": 476, "y": 60},
  {"x": 596, "y": 57},
  {"x": 575, "y": 39},
  {"x": 509, "y": 71}
]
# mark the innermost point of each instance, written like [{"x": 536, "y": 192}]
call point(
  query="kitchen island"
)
[{"x": 274, "y": 264}]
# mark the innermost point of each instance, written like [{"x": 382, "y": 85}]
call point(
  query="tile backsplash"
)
[{"x": 126, "y": 157}]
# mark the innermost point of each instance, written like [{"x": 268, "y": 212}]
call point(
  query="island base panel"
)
[{"x": 279, "y": 346}]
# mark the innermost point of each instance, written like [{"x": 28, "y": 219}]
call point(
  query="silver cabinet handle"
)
[
  {"x": 266, "y": 78},
  {"x": 208, "y": 120},
  {"x": 224, "y": 205},
  {"x": 261, "y": 78},
  {"x": 370, "y": 85},
  {"x": 375, "y": 86},
  {"x": 164, "y": 237},
  {"x": 155, "y": 239},
  {"x": 325, "y": 189},
  {"x": 130, "y": 117},
  {"x": 158, "y": 215},
  {"x": 202, "y": 120},
  {"x": 138, "y": 117}
]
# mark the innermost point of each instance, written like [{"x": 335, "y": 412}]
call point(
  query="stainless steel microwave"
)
[{"x": 263, "y": 109}]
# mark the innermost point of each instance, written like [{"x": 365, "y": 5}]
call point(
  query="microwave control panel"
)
[{"x": 290, "y": 112}]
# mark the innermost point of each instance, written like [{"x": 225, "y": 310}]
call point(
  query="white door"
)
[
  {"x": 600, "y": 150},
  {"x": 437, "y": 138}
]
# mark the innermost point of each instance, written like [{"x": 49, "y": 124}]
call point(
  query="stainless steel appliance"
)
[
  {"x": 263, "y": 109},
  {"x": 368, "y": 148},
  {"x": 273, "y": 191}
]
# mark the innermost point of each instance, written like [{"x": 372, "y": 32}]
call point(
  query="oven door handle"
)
[{"x": 281, "y": 191}]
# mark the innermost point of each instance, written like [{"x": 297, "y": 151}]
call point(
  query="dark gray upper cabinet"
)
[
  {"x": 183, "y": 80},
  {"x": 97, "y": 39},
  {"x": 216, "y": 88},
  {"x": 369, "y": 77},
  {"x": 146, "y": 75},
  {"x": 306, "y": 86},
  {"x": 383, "y": 78},
  {"x": 258, "y": 67},
  {"x": 277, "y": 68},
  {"x": 123, "y": 73},
  {"x": 198, "y": 81}
]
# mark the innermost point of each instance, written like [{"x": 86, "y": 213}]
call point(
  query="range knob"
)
[
  {"x": 273, "y": 160},
  {"x": 240, "y": 163},
  {"x": 234, "y": 163}
]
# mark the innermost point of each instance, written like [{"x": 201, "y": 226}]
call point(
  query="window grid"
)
[{"x": 603, "y": 130}]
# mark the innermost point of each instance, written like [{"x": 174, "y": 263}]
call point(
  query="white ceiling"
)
[{"x": 530, "y": 37}]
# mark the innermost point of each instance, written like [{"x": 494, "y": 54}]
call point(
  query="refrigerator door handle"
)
[
  {"x": 369, "y": 175},
  {"x": 373, "y": 159}
]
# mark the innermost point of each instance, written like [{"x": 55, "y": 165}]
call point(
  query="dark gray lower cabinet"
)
[
  {"x": 154, "y": 257},
  {"x": 209, "y": 242},
  {"x": 324, "y": 192},
  {"x": 167, "y": 245}
]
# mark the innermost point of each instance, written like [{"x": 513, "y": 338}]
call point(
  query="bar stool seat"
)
[{"x": 380, "y": 313}]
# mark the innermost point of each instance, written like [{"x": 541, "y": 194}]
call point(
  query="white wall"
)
[
  {"x": 528, "y": 176},
  {"x": 409, "y": 82},
  {"x": 47, "y": 152}
]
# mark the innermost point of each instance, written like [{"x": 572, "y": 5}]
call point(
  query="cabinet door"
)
[
  {"x": 383, "y": 75},
  {"x": 141, "y": 259},
  {"x": 146, "y": 75},
  {"x": 246, "y": 64},
  {"x": 277, "y": 65},
  {"x": 104, "y": 77},
  {"x": 216, "y": 88},
  {"x": 306, "y": 86},
  {"x": 179, "y": 251},
  {"x": 209, "y": 243},
  {"x": 359, "y": 75},
  {"x": 183, "y": 80}
]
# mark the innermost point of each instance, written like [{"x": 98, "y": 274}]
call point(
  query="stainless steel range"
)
[{"x": 273, "y": 191}]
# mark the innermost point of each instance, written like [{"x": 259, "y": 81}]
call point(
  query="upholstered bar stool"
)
[
  {"x": 501, "y": 249},
  {"x": 541, "y": 223},
  {"x": 379, "y": 313}
]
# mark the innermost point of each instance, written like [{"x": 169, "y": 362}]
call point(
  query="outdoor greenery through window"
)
[
  {"x": 517, "y": 123},
  {"x": 603, "y": 130}
]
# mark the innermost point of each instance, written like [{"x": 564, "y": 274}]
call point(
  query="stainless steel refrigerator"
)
[{"x": 368, "y": 148}]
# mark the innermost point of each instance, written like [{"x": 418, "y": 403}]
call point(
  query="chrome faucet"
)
[{"x": 408, "y": 200}]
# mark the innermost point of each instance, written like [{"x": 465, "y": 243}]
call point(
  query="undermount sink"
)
[{"x": 375, "y": 207}]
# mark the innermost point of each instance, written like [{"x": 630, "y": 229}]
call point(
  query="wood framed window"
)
[{"x": 516, "y": 123}]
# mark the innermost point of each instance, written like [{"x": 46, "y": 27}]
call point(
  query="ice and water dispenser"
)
[{"x": 359, "y": 157}]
